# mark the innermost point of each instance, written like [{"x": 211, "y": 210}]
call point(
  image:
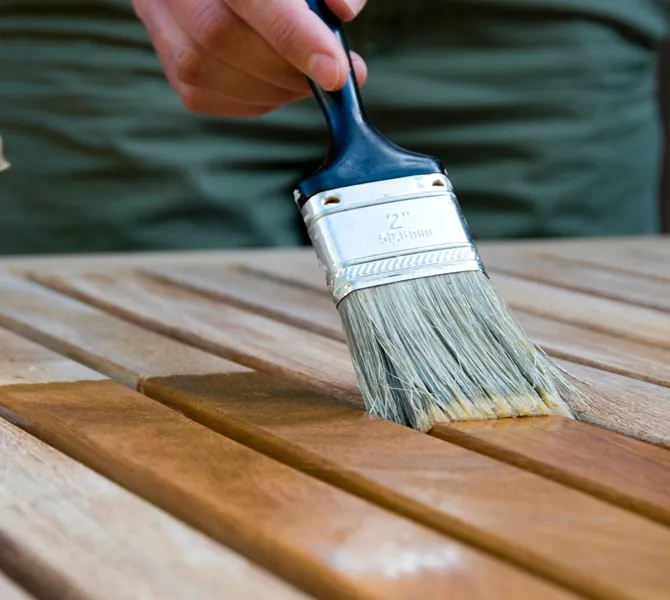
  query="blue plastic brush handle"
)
[{"x": 358, "y": 152}]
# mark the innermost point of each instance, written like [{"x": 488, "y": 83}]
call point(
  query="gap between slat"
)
[{"x": 23, "y": 569}]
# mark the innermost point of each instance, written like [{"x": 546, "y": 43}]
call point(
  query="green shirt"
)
[{"x": 543, "y": 111}]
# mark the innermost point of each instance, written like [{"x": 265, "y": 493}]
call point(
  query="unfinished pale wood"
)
[
  {"x": 600, "y": 314},
  {"x": 276, "y": 299},
  {"x": 36, "y": 312},
  {"x": 626, "y": 472},
  {"x": 600, "y": 350},
  {"x": 648, "y": 259},
  {"x": 10, "y": 591},
  {"x": 68, "y": 533},
  {"x": 24, "y": 362},
  {"x": 454, "y": 490},
  {"x": 625, "y": 287},
  {"x": 331, "y": 543},
  {"x": 244, "y": 337},
  {"x": 295, "y": 305}
]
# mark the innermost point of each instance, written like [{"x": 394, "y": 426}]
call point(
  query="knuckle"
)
[
  {"x": 284, "y": 35},
  {"x": 188, "y": 65},
  {"x": 210, "y": 26}
]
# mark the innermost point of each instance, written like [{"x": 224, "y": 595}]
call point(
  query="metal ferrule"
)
[{"x": 379, "y": 233}]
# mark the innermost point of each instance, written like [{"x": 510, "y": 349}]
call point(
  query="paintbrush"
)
[{"x": 430, "y": 339}]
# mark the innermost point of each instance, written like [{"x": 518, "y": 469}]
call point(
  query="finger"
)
[
  {"x": 360, "y": 68},
  {"x": 298, "y": 35},
  {"x": 346, "y": 9},
  {"x": 205, "y": 102},
  {"x": 221, "y": 32},
  {"x": 190, "y": 64}
]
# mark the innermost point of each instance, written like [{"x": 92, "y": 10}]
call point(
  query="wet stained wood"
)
[
  {"x": 626, "y": 472},
  {"x": 68, "y": 533},
  {"x": 455, "y": 490},
  {"x": 331, "y": 543}
]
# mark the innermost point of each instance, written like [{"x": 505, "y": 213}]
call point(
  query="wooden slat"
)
[
  {"x": 65, "y": 319},
  {"x": 625, "y": 287},
  {"x": 296, "y": 305},
  {"x": 250, "y": 339},
  {"x": 275, "y": 299},
  {"x": 10, "y": 591},
  {"x": 601, "y": 350},
  {"x": 643, "y": 259},
  {"x": 327, "y": 541},
  {"x": 66, "y": 532},
  {"x": 609, "y": 466},
  {"x": 454, "y": 490},
  {"x": 646, "y": 416},
  {"x": 600, "y": 314}
]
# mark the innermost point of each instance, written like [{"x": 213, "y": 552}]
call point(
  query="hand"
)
[{"x": 242, "y": 58}]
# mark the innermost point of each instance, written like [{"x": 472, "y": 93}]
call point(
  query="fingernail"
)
[
  {"x": 325, "y": 70},
  {"x": 356, "y": 6}
]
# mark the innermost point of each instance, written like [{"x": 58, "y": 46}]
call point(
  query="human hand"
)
[{"x": 242, "y": 58}]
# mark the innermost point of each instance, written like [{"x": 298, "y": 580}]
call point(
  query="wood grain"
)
[
  {"x": 296, "y": 305},
  {"x": 44, "y": 316},
  {"x": 621, "y": 470},
  {"x": 10, "y": 591},
  {"x": 600, "y": 314},
  {"x": 455, "y": 490},
  {"x": 67, "y": 533},
  {"x": 650, "y": 260},
  {"x": 432, "y": 482},
  {"x": 645, "y": 416},
  {"x": 625, "y": 287},
  {"x": 600, "y": 350},
  {"x": 244, "y": 337},
  {"x": 332, "y": 544}
]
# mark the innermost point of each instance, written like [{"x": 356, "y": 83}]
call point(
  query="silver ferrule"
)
[{"x": 395, "y": 230}]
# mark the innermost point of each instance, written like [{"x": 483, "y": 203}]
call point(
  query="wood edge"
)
[
  {"x": 562, "y": 476},
  {"x": 252, "y": 307},
  {"x": 32, "y": 575}
]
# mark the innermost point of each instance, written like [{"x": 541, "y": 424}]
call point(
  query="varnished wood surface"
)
[
  {"x": 327, "y": 541},
  {"x": 240, "y": 417},
  {"x": 68, "y": 533},
  {"x": 613, "y": 467}
]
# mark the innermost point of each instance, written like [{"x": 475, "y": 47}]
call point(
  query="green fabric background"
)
[{"x": 543, "y": 111}]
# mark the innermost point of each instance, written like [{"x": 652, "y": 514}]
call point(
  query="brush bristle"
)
[{"x": 447, "y": 348}]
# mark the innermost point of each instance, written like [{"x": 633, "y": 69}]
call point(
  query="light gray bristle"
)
[{"x": 447, "y": 348}]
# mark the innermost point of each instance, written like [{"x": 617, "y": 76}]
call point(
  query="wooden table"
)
[{"x": 187, "y": 426}]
